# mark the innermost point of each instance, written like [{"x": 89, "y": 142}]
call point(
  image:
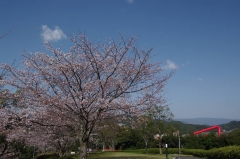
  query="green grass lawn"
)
[{"x": 126, "y": 155}]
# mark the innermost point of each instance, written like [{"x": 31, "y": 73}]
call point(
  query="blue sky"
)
[{"x": 199, "y": 38}]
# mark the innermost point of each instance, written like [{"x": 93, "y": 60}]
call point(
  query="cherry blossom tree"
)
[
  {"x": 8, "y": 121},
  {"x": 2, "y": 92},
  {"x": 3, "y": 101},
  {"x": 12, "y": 122},
  {"x": 91, "y": 82},
  {"x": 4, "y": 144},
  {"x": 5, "y": 34},
  {"x": 11, "y": 131}
]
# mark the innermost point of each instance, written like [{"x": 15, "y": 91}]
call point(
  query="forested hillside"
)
[
  {"x": 231, "y": 125},
  {"x": 190, "y": 128},
  {"x": 186, "y": 128}
]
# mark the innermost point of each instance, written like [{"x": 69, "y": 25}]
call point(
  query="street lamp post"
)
[{"x": 166, "y": 151}]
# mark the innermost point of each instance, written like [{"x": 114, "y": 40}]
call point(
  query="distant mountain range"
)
[{"x": 206, "y": 121}]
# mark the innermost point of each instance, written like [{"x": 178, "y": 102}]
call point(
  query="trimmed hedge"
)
[
  {"x": 195, "y": 152},
  {"x": 229, "y": 152},
  {"x": 154, "y": 151}
]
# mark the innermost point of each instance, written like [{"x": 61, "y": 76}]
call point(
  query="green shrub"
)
[
  {"x": 53, "y": 157},
  {"x": 229, "y": 152},
  {"x": 195, "y": 152},
  {"x": 48, "y": 156},
  {"x": 154, "y": 151},
  {"x": 21, "y": 149},
  {"x": 26, "y": 152}
]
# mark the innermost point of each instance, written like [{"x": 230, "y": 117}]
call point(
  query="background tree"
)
[
  {"x": 234, "y": 137},
  {"x": 87, "y": 84},
  {"x": 145, "y": 125},
  {"x": 129, "y": 138},
  {"x": 161, "y": 114},
  {"x": 107, "y": 131}
]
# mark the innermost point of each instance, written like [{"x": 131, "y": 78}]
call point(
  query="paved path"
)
[{"x": 186, "y": 157}]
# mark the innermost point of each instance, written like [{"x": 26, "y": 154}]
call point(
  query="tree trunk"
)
[
  {"x": 160, "y": 142},
  {"x": 113, "y": 145},
  {"x": 103, "y": 146},
  {"x": 146, "y": 143},
  {"x": 83, "y": 150},
  {"x": 160, "y": 146},
  {"x": 4, "y": 149},
  {"x": 83, "y": 140}
]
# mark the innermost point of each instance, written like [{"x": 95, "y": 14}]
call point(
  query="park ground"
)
[{"x": 127, "y": 155}]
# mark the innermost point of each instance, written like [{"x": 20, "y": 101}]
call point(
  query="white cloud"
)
[
  {"x": 200, "y": 79},
  {"x": 129, "y": 1},
  {"x": 52, "y": 35},
  {"x": 170, "y": 65}
]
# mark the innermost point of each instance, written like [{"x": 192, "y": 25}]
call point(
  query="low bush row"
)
[
  {"x": 229, "y": 152},
  {"x": 195, "y": 152}
]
